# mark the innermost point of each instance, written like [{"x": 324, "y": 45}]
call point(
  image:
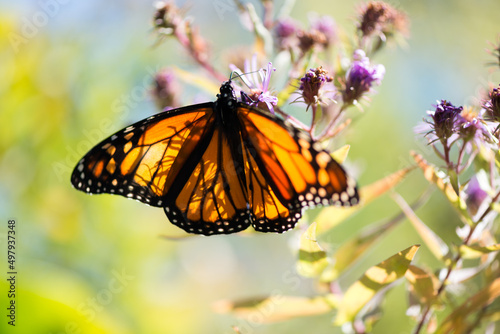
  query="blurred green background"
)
[{"x": 99, "y": 264}]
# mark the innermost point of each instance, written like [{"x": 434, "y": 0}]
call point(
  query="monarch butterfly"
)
[{"x": 217, "y": 167}]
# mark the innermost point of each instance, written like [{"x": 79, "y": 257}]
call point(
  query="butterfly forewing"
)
[
  {"x": 300, "y": 172},
  {"x": 142, "y": 160}
]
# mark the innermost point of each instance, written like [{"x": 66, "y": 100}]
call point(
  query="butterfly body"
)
[{"x": 217, "y": 168}]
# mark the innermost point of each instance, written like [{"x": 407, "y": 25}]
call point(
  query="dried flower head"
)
[
  {"x": 380, "y": 18},
  {"x": 310, "y": 39},
  {"x": 312, "y": 83},
  {"x": 166, "y": 89},
  {"x": 446, "y": 119},
  {"x": 167, "y": 18},
  {"x": 360, "y": 77}
]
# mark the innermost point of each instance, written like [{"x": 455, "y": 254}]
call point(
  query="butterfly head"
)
[{"x": 226, "y": 98}]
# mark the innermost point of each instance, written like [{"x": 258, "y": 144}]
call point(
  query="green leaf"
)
[
  {"x": 331, "y": 216},
  {"x": 277, "y": 307},
  {"x": 474, "y": 252},
  {"x": 433, "y": 175},
  {"x": 373, "y": 280},
  {"x": 312, "y": 258},
  {"x": 457, "y": 321},
  {"x": 423, "y": 285},
  {"x": 432, "y": 240}
]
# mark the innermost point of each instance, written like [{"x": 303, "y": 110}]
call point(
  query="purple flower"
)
[
  {"x": 325, "y": 25},
  {"x": 446, "y": 119},
  {"x": 475, "y": 195},
  {"x": 286, "y": 33},
  {"x": 360, "y": 77},
  {"x": 166, "y": 89},
  {"x": 257, "y": 80},
  {"x": 472, "y": 128},
  {"x": 492, "y": 106},
  {"x": 311, "y": 84}
]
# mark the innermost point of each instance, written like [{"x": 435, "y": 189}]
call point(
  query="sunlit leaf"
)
[
  {"x": 312, "y": 258},
  {"x": 331, "y": 216},
  {"x": 353, "y": 249},
  {"x": 432, "y": 174},
  {"x": 432, "y": 240},
  {"x": 373, "y": 280},
  {"x": 341, "y": 154},
  {"x": 423, "y": 285},
  {"x": 476, "y": 251},
  {"x": 457, "y": 321},
  {"x": 277, "y": 307}
]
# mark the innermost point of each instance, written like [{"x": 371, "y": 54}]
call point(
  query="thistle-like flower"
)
[
  {"x": 360, "y": 77},
  {"x": 312, "y": 83},
  {"x": 257, "y": 80},
  {"x": 446, "y": 120}
]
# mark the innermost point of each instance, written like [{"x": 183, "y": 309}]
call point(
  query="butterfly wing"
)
[
  {"x": 143, "y": 160},
  {"x": 287, "y": 171},
  {"x": 213, "y": 198}
]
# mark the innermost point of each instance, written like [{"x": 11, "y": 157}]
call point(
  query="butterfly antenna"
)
[{"x": 235, "y": 74}]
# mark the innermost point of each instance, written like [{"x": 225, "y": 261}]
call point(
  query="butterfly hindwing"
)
[{"x": 212, "y": 200}]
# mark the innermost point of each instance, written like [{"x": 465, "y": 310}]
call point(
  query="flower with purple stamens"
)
[
  {"x": 446, "y": 119},
  {"x": 360, "y": 77},
  {"x": 311, "y": 84},
  {"x": 258, "y": 83}
]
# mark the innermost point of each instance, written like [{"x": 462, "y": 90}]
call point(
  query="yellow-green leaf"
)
[
  {"x": 432, "y": 174},
  {"x": 457, "y": 321},
  {"x": 276, "y": 307},
  {"x": 341, "y": 154},
  {"x": 312, "y": 258},
  {"x": 423, "y": 285},
  {"x": 373, "y": 280},
  {"x": 331, "y": 216},
  {"x": 351, "y": 250},
  {"x": 436, "y": 245},
  {"x": 474, "y": 252}
]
